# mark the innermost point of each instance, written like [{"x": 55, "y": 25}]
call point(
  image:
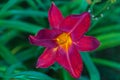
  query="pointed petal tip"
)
[
  {"x": 31, "y": 39},
  {"x": 88, "y": 43},
  {"x": 87, "y": 14},
  {"x": 76, "y": 76},
  {"x": 72, "y": 61},
  {"x": 54, "y": 16},
  {"x": 53, "y": 4},
  {"x": 42, "y": 65},
  {"x": 38, "y": 65},
  {"x": 30, "y": 36},
  {"x": 46, "y": 59},
  {"x": 77, "y": 72},
  {"x": 97, "y": 43}
]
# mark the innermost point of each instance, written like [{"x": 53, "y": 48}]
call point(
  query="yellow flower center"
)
[{"x": 64, "y": 40}]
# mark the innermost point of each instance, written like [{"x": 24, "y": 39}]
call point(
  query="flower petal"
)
[
  {"x": 54, "y": 16},
  {"x": 77, "y": 25},
  {"x": 87, "y": 43},
  {"x": 71, "y": 61},
  {"x": 45, "y": 38},
  {"x": 47, "y": 58}
]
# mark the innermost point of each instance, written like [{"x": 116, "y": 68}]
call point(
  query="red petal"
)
[
  {"x": 45, "y": 38},
  {"x": 77, "y": 25},
  {"x": 87, "y": 43},
  {"x": 54, "y": 16},
  {"x": 47, "y": 34},
  {"x": 71, "y": 61},
  {"x": 47, "y": 58}
]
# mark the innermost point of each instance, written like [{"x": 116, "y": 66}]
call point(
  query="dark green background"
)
[{"x": 21, "y": 18}]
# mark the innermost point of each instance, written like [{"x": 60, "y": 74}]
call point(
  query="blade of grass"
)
[
  {"x": 10, "y": 70},
  {"x": 109, "y": 40},
  {"x": 93, "y": 24},
  {"x": 25, "y": 13},
  {"x": 8, "y": 36},
  {"x": 81, "y": 6},
  {"x": 62, "y": 2},
  {"x": 83, "y": 78},
  {"x": 1, "y": 74},
  {"x": 65, "y": 75},
  {"x": 8, "y": 5},
  {"x": 32, "y": 4},
  {"x": 32, "y": 75},
  {"x": 105, "y": 29},
  {"x": 18, "y": 25},
  {"x": 20, "y": 47},
  {"x": 38, "y": 16},
  {"x": 29, "y": 53},
  {"x": 107, "y": 63},
  {"x": 7, "y": 55},
  {"x": 2, "y": 70},
  {"x": 29, "y": 13},
  {"x": 41, "y": 5},
  {"x": 47, "y": 3},
  {"x": 93, "y": 72}
]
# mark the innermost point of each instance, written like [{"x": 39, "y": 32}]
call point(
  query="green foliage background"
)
[{"x": 21, "y": 18}]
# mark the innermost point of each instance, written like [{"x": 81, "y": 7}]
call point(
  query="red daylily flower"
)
[{"x": 64, "y": 40}]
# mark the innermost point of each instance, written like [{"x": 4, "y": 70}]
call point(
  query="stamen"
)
[{"x": 64, "y": 41}]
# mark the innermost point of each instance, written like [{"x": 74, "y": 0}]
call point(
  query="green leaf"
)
[
  {"x": 92, "y": 70},
  {"x": 74, "y": 7},
  {"x": 2, "y": 69},
  {"x": 7, "y": 55},
  {"x": 109, "y": 40},
  {"x": 105, "y": 29},
  {"x": 8, "y": 36},
  {"x": 25, "y": 13},
  {"x": 1, "y": 74},
  {"x": 65, "y": 75},
  {"x": 32, "y": 4},
  {"x": 29, "y": 53},
  {"x": 41, "y": 5},
  {"x": 8, "y": 5},
  {"x": 18, "y": 25},
  {"x": 33, "y": 75},
  {"x": 13, "y": 68},
  {"x": 107, "y": 63},
  {"x": 83, "y": 78}
]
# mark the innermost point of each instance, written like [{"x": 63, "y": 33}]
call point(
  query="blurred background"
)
[{"x": 21, "y": 18}]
